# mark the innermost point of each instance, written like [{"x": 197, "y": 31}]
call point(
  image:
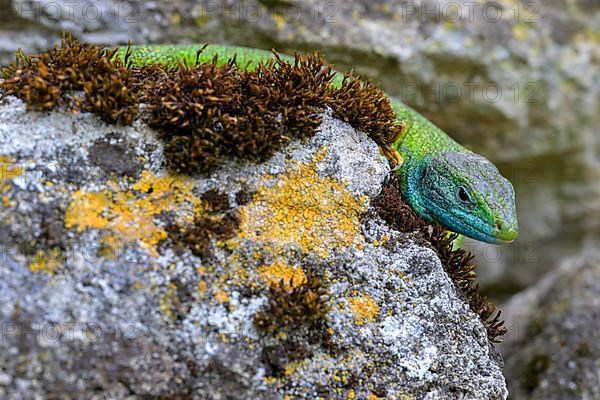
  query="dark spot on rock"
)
[
  {"x": 216, "y": 201},
  {"x": 538, "y": 364},
  {"x": 52, "y": 229},
  {"x": 243, "y": 197},
  {"x": 113, "y": 155},
  {"x": 565, "y": 29},
  {"x": 271, "y": 357},
  {"x": 193, "y": 368},
  {"x": 584, "y": 349},
  {"x": 380, "y": 391},
  {"x": 182, "y": 300},
  {"x": 198, "y": 237}
]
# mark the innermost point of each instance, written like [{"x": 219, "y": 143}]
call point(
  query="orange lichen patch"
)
[
  {"x": 166, "y": 303},
  {"x": 86, "y": 209},
  {"x": 131, "y": 214},
  {"x": 46, "y": 261},
  {"x": 279, "y": 272},
  {"x": 365, "y": 309},
  {"x": 316, "y": 214},
  {"x": 221, "y": 296},
  {"x": 202, "y": 286},
  {"x": 8, "y": 169},
  {"x": 291, "y": 367}
]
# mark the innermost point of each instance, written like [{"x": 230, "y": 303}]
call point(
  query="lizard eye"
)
[{"x": 463, "y": 195}]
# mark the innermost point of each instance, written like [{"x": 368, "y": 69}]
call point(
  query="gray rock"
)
[
  {"x": 552, "y": 350},
  {"x": 101, "y": 299}
]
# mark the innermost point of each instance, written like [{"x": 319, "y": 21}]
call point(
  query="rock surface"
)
[
  {"x": 553, "y": 350},
  {"x": 104, "y": 291}
]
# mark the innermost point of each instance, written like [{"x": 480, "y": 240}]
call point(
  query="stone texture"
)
[
  {"x": 100, "y": 296},
  {"x": 553, "y": 349}
]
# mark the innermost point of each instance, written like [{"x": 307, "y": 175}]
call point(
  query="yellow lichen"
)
[
  {"x": 86, "y": 209},
  {"x": 520, "y": 31},
  {"x": 166, "y": 303},
  {"x": 46, "y": 261},
  {"x": 289, "y": 369},
  {"x": 277, "y": 272},
  {"x": 221, "y": 296},
  {"x": 7, "y": 202},
  {"x": 8, "y": 171},
  {"x": 269, "y": 380},
  {"x": 279, "y": 20},
  {"x": 317, "y": 214},
  {"x": 365, "y": 309},
  {"x": 130, "y": 214}
]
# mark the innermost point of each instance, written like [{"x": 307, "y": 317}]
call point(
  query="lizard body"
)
[{"x": 440, "y": 179}]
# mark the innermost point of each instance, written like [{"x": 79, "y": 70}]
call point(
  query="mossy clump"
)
[
  {"x": 457, "y": 262},
  {"x": 292, "y": 306},
  {"x": 218, "y": 222},
  {"x": 76, "y": 75},
  {"x": 209, "y": 113},
  {"x": 206, "y": 112},
  {"x": 295, "y": 317}
]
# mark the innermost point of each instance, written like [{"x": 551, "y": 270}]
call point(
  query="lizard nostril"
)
[{"x": 499, "y": 227}]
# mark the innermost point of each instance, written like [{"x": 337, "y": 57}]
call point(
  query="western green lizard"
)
[{"x": 440, "y": 179}]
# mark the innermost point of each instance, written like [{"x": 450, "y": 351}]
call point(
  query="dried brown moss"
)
[
  {"x": 457, "y": 263},
  {"x": 219, "y": 221},
  {"x": 77, "y": 75},
  {"x": 205, "y": 113},
  {"x": 199, "y": 236},
  {"x": 291, "y": 307},
  {"x": 296, "y": 318}
]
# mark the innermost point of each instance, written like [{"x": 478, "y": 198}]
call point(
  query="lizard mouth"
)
[{"x": 504, "y": 233}]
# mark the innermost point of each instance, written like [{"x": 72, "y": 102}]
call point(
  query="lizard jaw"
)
[{"x": 505, "y": 233}]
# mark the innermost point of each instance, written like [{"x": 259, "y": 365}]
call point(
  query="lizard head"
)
[{"x": 466, "y": 193}]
